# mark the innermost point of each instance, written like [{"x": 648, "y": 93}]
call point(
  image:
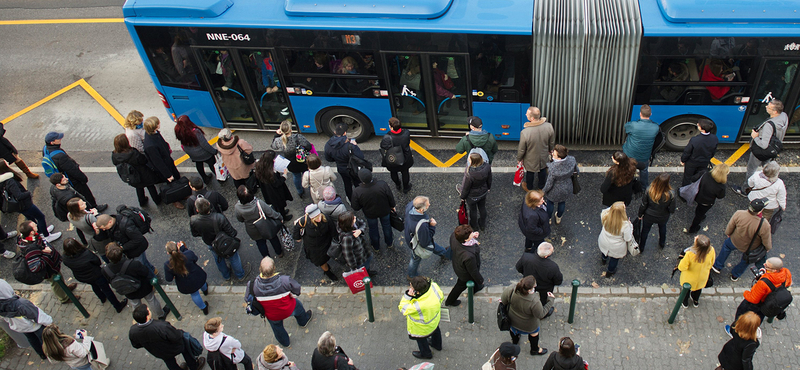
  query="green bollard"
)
[
  {"x": 71, "y": 296},
  {"x": 167, "y": 301},
  {"x": 470, "y": 303},
  {"x": 370, "y": 313},
  {"x": 684, "y": 292},
  {"x": 573, "y": 300}
]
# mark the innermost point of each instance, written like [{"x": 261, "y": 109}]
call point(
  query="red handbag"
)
[
  {"x": 463, "y": 218},
  {"x": 519, "y": 176},
  {"x": 355, "y": 279}
]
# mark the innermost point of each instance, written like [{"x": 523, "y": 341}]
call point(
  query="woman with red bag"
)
[{"x": 475, "y": 188}]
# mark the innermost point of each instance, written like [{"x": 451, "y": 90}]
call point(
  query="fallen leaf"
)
[
  {"x": 206, "y": 263},
  {"x": 644, "y": 300},
  {"x": 782, "y": 255},
  {"x": 664, "y": 286},
  {"x": 641, "y": 336},
  {"x": 627, "y": 330},
  {"x": 595, "y": 285},
  {"x": 705, "y": 228},
  {"x": 683, "y": 347},
  {"x": 597, "y": 331},
  {"x": 720, "y": 319},
  {"x": 447, "y": 334},
  {"x": 30, "y": 363}
]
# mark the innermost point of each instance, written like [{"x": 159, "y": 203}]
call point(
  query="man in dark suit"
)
[
  {"x": 698, "y": 153},
  {"x": 162, "y": 340},
  {"x": 543, "y": 269}
]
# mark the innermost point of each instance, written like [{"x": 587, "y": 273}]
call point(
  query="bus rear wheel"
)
[
  {"x": 359, "y": 126},
  {"x": 678, "y": 131}
]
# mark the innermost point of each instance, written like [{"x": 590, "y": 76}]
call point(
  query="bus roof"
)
[
  {"x": 465, "y": 16},
  {"x": 720, "y": 18}
]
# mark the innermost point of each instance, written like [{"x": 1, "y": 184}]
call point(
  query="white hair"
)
[{"x": 544, "y": 250}]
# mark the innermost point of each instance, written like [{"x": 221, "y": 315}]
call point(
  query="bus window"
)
[
  {"x": 777, "y": 77},
  {"x": 405, "y": 76},
  {"x": 262, "y": 74},
  {"x": 499, "y": 65},
  {"x": 334, "y": 73},
  {"x": 450, "y": 91},
  {"x": 226, "y": 86},
  {"x": 171, "y": 57}
]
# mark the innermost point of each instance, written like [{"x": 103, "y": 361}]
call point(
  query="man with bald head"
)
[
  {"x": 776, "y": 274},
  {"x": 277, "y": 295},
  {"x": 536, "y": 141}
]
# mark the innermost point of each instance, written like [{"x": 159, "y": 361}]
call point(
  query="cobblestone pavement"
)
[{"x": 614, "y": 331}]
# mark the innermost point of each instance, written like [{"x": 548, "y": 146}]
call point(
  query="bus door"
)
[
  {"x": 261, "y": 71},
  {"x": 777, "y": 80},
  {"x": 430, "y": 92}
]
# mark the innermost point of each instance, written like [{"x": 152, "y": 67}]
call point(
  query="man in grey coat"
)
[
  {"x": 761, "y": 137},
  {"x": 536, "y": 142}
]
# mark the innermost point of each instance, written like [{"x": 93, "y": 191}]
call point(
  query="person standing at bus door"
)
[
  {"x": 397, "y": 136},
  {"x": 477, "y": 138},
  {"x": 295, "y": 148},
  {"x": 698, "y": 153},
  {"x": 226, "y": 65},
  {"x": 761, "y": 137},
  {"x": 10, "y": 154},
  {"x": 159, "y": 154},
  {"x": 193, "y": 142},
  {"x": 272, "y": 184},
  {"x": 231, "y": 148},
  {"x": 338, "y": 150},
  {"x": 70, "y": 168},
  {"x": 639, "y": 143},
  {"x": 536, "y": 142},
  {"x": 712, "y": 187},
  {"x": 443, "y": 84}
]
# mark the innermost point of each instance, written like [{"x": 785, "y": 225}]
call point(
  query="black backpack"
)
[
  {"x": 355, "y": 164},
  {"x": 773, "y": 147},
  {"x": 224, "y": 245},
  {"x": 122, "y": 283},
  {"x": 128, "y": 174},
  {"x": 254, "y": 307},
  {"x": 218, "y": 361},
  {"x": 23, "y": 273},
  {"x": 140, "y": 217},
  {"x": 777, "y": 300}
]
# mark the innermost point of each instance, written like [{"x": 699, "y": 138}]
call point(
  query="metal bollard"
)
[
  {"x": 573, "y": 300},
  {"x": 684, "y": 292},
  {"x": 167, "y": 301},
  {"x": 470, "y": 303},
  {"x": 71, "y": 296},
  {"x": 370, "y": 313}
]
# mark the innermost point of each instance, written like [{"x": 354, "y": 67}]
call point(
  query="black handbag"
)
[
  {"x": 397, "y": 221},
  {"x": 576, "y": 186},
  {"x": 637, "y": 229},
  {"x": 503, "y": 321},
  {"x": 10, "y": 203},
  {"x": 247, "y": 158},
  {"x": 773, "y": 147},
  {"x": 756, "y": 254}
]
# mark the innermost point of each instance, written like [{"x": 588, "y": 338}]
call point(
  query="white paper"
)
[{"x": 281, "y": 163}]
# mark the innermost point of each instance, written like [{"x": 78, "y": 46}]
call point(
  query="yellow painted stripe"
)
[
  {"x": 435, "y": 161},
  {"x": 715, "y": 161},
  {"x": 186, "y": 156},
  {"x": 454, "y": 159},
  {"x": 40, "y": 102},
  {"x": 737, "y": 154},
  {"x": 61, "y": 21},
  {"x": 103, "y": 102}
]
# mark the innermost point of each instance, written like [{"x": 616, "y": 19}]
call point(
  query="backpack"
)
[
  {"x": 777, "y": 300},
  {"x": 355, "y": 164},
  {"x": 23, "y": 273},
  {"x": 47, "y": 161},
  {"x": 420, "y": 251},
  {"x": 122, "y": 283},
  {"x": 224, "y": 245},
  {"x": 140, "y": 217},
  {"x": 394, "y": 156},
  {"x": 300, "y": 154},
  {"x": 128, "y": 174},
  {"x": 773, "y": 148},
  {"x": 254, "y": 307},
  {"x": 218, "y": 361}
]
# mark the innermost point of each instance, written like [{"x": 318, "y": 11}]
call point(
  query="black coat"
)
[
  {"x": 203, "y": 226},
  {"x": 67, "y": 165},
  {"x": 545, "y": 270},
  {"x": 158, "y": 337},
  {"x": 477, "y": 182},
  {"x": 218, "y": 202},
  {"x": 140, "y": 165},
  {"x": 403, "y": 140},
  {"x": 710, "y": 190},
  {"x": 657, "y": 212},
  {"x": 85, "y": 266},
  {"x": 136, "y": 270},
  {"x": 534, "y": 223},
  {"x": 700, "y": 150},
  {"x": 466, "y": 262},
  {"x": 158, "y": 153},
  {"x": 16, "y": 190},
  {"x": 7, "y": 150},
  {"x": 337, "y": 149},
  {"x": 613, "y": 193},
  {"x": 128, "y": 235},
  {"x": 316, "y": 238},
  {"x": 375, "y": 198},
  {"x": 276, "y": 193},
  {"x": 556, "y": 361},
  {"x": 193, "y": 281},
  {"x": 59, "y": 199},
  {"x": 320, "y": 362},
  {"x": 737, "y": 353}
]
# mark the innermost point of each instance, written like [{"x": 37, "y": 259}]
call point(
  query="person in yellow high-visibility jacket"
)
[{"x": 422, "y": 306}]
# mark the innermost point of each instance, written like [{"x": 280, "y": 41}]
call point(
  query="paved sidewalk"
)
[{"x": 615, "y": 332}]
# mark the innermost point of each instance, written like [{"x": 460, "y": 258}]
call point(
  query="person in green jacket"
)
[
  {"x": 422, "y": 305},
  {"x": 478, "y": 138}
]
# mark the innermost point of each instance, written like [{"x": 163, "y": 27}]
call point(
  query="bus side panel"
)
[
  {"x": 496, "y": 115},
  {"x": 198, "y": 105},
  {"x": 306, "y": 108},
  {"x": 728, "y": 118}
]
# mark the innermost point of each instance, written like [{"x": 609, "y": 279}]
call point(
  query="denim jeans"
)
[
  {"x": 644, "y": 173},
  {"x": 197, "y": 299},
  {"x": 222, "y": 265},
  {"x": 103, "y": 291},
  {"x": 662, "y": 234},
  {"x": 542, "y": 178},
  {"x": 436, "y": 342},
  {"x": 84, "y": 367},
  {"x": 740, "y": 268},
  {"x": 551, "y": 206},
  {"x": 724, "y": 252},
  {"x": 413, "y": 265},
  {"x": 34, "y": 214},
  {"x": 375, "y": 236},
  {"x": 612, "y": 263},
  {"x": 298, "y": 183},
  {"x": 277, "y": 326},
  {"x": 264, "y": 250},
  {"x": 143, "y": 259},
  {"x": 367, "y": 262}
]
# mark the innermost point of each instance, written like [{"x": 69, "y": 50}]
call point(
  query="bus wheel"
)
[
  {"x": 358, "y": 125},
  {"x": 677, "y": 132}
]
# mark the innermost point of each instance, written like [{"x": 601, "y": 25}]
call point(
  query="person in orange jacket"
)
[{"x": 754, "y": 297}]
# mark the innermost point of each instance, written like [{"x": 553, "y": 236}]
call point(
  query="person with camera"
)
[
  {"x": 778, "y": 275},
  {"x": 746, "y": 230}
]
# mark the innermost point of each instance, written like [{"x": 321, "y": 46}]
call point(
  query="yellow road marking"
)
[
  {"x": 103, "y": 102},
  {"x": 737, "y": 154},
  {"x": 715, "y": 161},
  {"x": 40, "y": 102},
  {"x": 61, "y": 21},
  {"x": 435, "y": 161}
]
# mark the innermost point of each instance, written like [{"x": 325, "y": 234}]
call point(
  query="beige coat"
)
[
  {"x": 232, "y": 158},
  {"x": 536, "y": 141},
  {"x": 743, "y": 226},
  {"x": 317, "y": 180}
]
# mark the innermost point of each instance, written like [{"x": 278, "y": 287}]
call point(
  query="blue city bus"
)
[{"x": 250, "y": 65}]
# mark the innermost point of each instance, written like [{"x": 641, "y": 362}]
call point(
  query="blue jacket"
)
[
  {"x": 534, "y": 223},
  {"x": 641, "y": 135},
  {"x": 337, "y": 149},
  {"x": 426, "y": 230}
]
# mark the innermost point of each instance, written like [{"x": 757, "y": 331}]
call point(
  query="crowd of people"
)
[{"x": 110, "y": 254}]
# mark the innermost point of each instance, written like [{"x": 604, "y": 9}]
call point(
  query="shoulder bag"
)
[
  {"x": 10, "y": 203},
  {"x": 394, "y": 156},
  {"x": 633, "y": 246},
  {"x": 756, "y": 254},
  {"x": 224, "y": 245},
  {"x": 773, "y": 147},
  {"x": 576, "y": 186},
  {"x": 503, "y": 321},
  {"x": 247, "y": 158}
]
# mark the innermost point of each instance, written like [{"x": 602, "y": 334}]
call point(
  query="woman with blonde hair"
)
[
  {"x": 60, "y": 347},
  {"x": 134, "y": 129},
  {"x": 712, "y": 187},
  {"x": 695, "y": 267},
  {"x": 739, "y": 351},
  {"x": 657, "y": 205},
  {"x": 189, "y": 276},
  {"x": 273, "y": 358},
  {"x": 613, "y": 240},
  {"x": 295, "y": 148}
]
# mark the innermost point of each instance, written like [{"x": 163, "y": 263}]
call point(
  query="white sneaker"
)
[
  {"x": 52, "y": 237},
  {"x": 558, "y": 220},
  {"x": 50, "y": 228},
  {"x": 9, "y": 254},
  {"x": 11, "y": 234}
]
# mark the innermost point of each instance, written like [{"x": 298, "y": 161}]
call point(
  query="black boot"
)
[
  {"x": 331, "y": 275},
  {"x": 514, "y": 338}
]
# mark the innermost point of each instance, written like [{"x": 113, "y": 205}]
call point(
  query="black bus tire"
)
[
  {"x": 679, "y": 130},
  {"x": 359, "y": 126}
]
